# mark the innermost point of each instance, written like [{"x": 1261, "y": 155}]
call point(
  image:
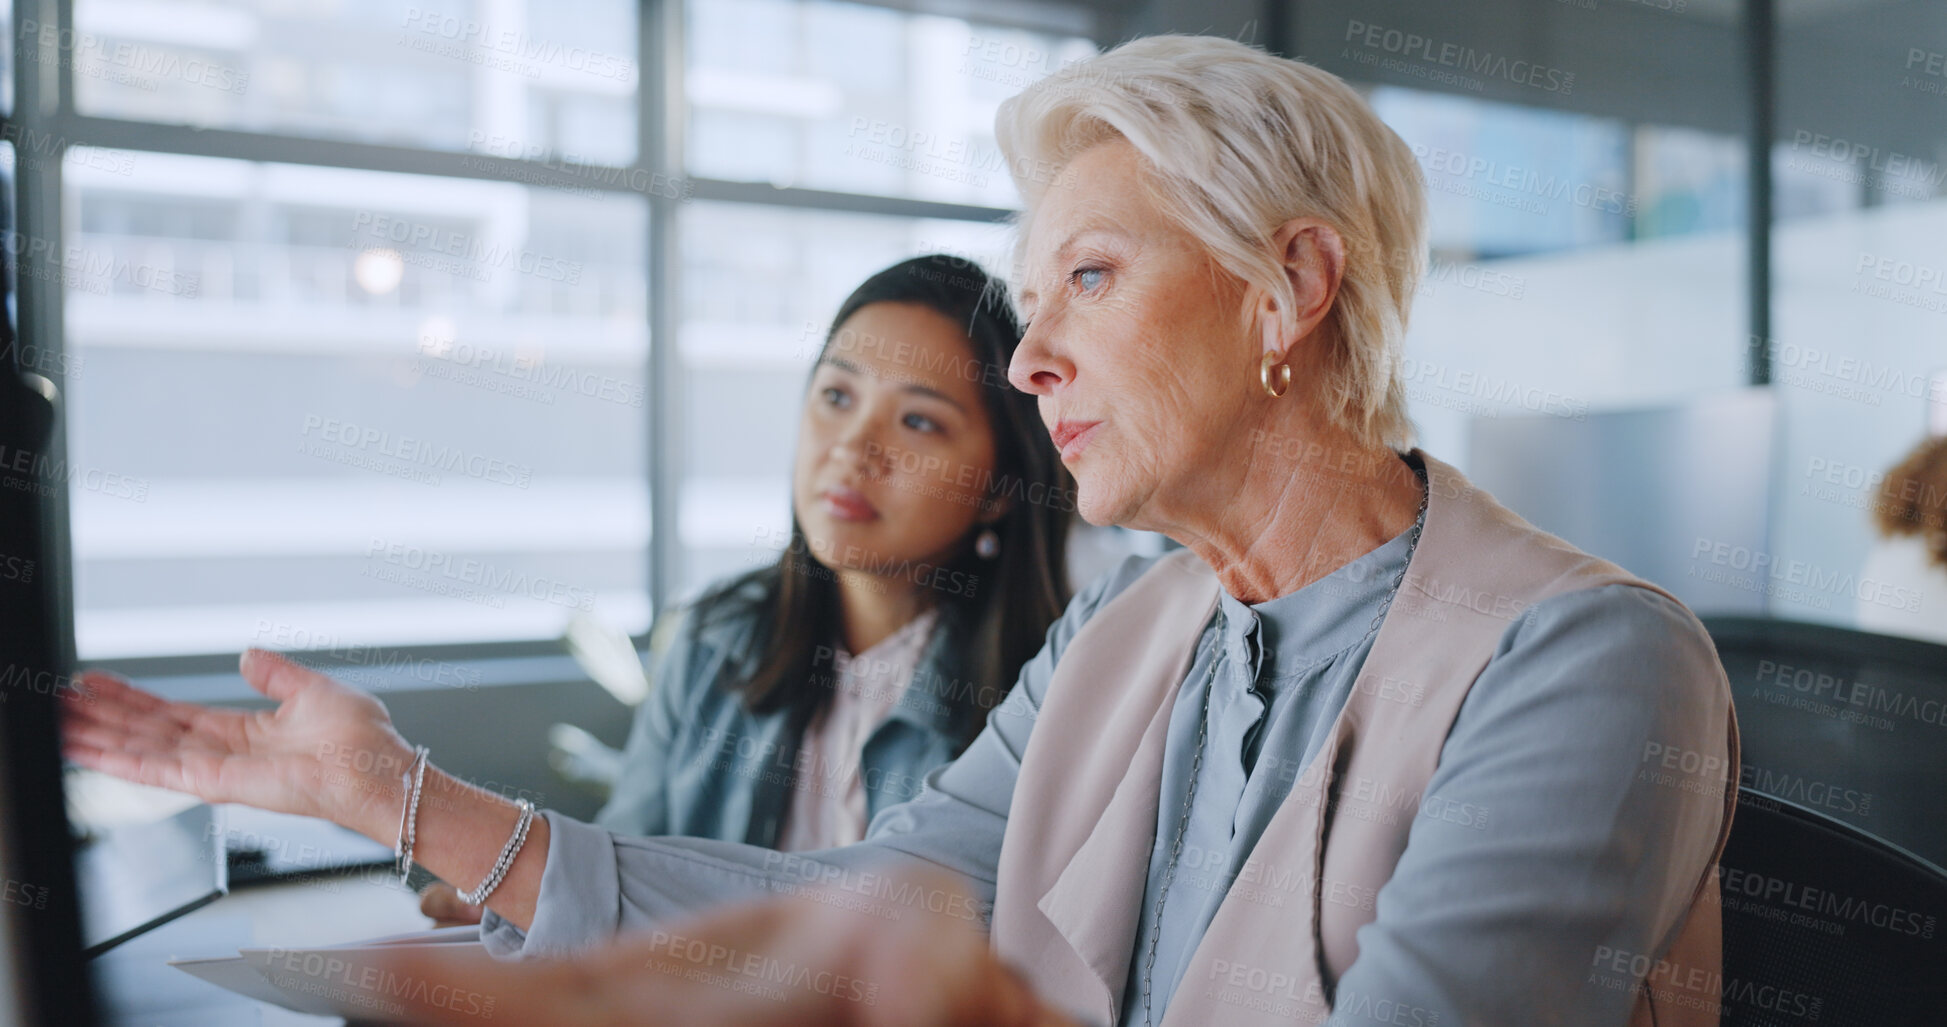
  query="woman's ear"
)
[{"x": 1312, "y": 254}]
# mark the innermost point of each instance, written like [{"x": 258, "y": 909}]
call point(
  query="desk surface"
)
[{"x": 138, "y": 989}]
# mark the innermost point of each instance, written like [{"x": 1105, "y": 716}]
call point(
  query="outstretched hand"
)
[
  {"x": 326, "y": 750},
  {"x": 786, "y": 962}
]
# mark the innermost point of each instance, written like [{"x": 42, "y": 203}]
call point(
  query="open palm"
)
[{"x": 326, "y": 750}]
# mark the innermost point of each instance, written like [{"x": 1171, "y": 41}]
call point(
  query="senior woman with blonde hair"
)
[{"x": 1370, "y": 747}]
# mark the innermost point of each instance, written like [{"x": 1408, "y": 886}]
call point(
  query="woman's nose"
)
[
  {"x": 859, "y": 447},
  {"x": 1036, "y": 368}
]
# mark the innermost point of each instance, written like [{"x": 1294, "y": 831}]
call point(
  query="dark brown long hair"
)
[
  {"x": 1913, "y": 498},
  {"x": 995, "y": 625}
]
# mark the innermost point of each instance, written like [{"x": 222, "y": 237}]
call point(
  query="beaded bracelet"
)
[{"x": 508, "y": 852}]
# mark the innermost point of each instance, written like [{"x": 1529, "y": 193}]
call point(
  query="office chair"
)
[
  {"x": 1824, "y": 924},
  {"x": 1850, "y": 724}
]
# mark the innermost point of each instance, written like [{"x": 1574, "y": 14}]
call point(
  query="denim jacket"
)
[{"x": 699, "y": 763}]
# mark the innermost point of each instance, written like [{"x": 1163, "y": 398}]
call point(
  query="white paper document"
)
[{"x": 352, "y": 981}]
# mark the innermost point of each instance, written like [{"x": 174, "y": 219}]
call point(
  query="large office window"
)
[
  {"x": 381, "y": 362},
  {"x": 857, "y": 99},
  {"x": 1578, "y": 263},
  {"x": 513, "y": 77},
  {"x": 321, "y": 402},
  {"x": 350, "y": 405},
  {"x": 1859, "y": 314}
]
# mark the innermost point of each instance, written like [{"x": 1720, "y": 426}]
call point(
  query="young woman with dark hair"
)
[{"x": 923, "y": 568}]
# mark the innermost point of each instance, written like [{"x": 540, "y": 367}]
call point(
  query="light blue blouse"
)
[
  {"x": 1494, "y": 919},
  {"x": 1278, "y": 673}
]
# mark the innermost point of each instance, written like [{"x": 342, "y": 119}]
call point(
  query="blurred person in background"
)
[
  {"x": 1908, "y": 560},
  {"x": 923, "y": 567}
]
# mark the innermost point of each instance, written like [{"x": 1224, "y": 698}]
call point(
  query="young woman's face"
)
[{"x": 895, "y": 450}]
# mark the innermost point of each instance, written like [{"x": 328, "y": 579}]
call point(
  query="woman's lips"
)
[
  {"x": 847, "y": 504},
  {"x": 1071, "y": 436}
]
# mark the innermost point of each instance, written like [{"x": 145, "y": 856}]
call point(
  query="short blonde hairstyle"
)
[{"x": 1239, "y": 142}]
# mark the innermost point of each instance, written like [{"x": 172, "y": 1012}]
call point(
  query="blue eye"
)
[
  {"x": 921, "y": 422},
  {"x": 836, "y": 396},
  {"x": 1088, "y": 277}
]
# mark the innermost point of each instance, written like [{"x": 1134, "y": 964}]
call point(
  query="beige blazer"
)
[{"x": 1074, "y": 859}]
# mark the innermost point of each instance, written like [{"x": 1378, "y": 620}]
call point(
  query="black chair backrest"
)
[
  {"x": 1850, "y": 724},
  {"x": 1826, "y": 925}
]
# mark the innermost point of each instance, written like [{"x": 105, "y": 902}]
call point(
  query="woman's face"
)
[
  {"x": 1138, "y": 345},
  {"x": 895, "y": 450}
]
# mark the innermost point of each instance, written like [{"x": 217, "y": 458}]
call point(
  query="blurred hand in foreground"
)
[{"x": 791, "y": 962}]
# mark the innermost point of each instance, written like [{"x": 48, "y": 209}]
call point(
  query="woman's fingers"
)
[
  {"x": 275, "y": 676},
  {"x": 158, "y": 770},
  {"x": 110, "y": 698},
  {"x": 114, "y": 687},
  {"x": 441, "y": 901},
  {"x": 113, "y": 705}
]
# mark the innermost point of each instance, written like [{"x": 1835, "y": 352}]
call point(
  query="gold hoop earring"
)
[{"x": 1264, "y": 375}]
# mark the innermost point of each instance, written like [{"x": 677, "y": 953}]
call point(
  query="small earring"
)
[
  {"x": 987, "y": 544},
  {"x": 1264, "y": 375}
]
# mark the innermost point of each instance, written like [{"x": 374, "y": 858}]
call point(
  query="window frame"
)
[{"x": 44, "y": 122}]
